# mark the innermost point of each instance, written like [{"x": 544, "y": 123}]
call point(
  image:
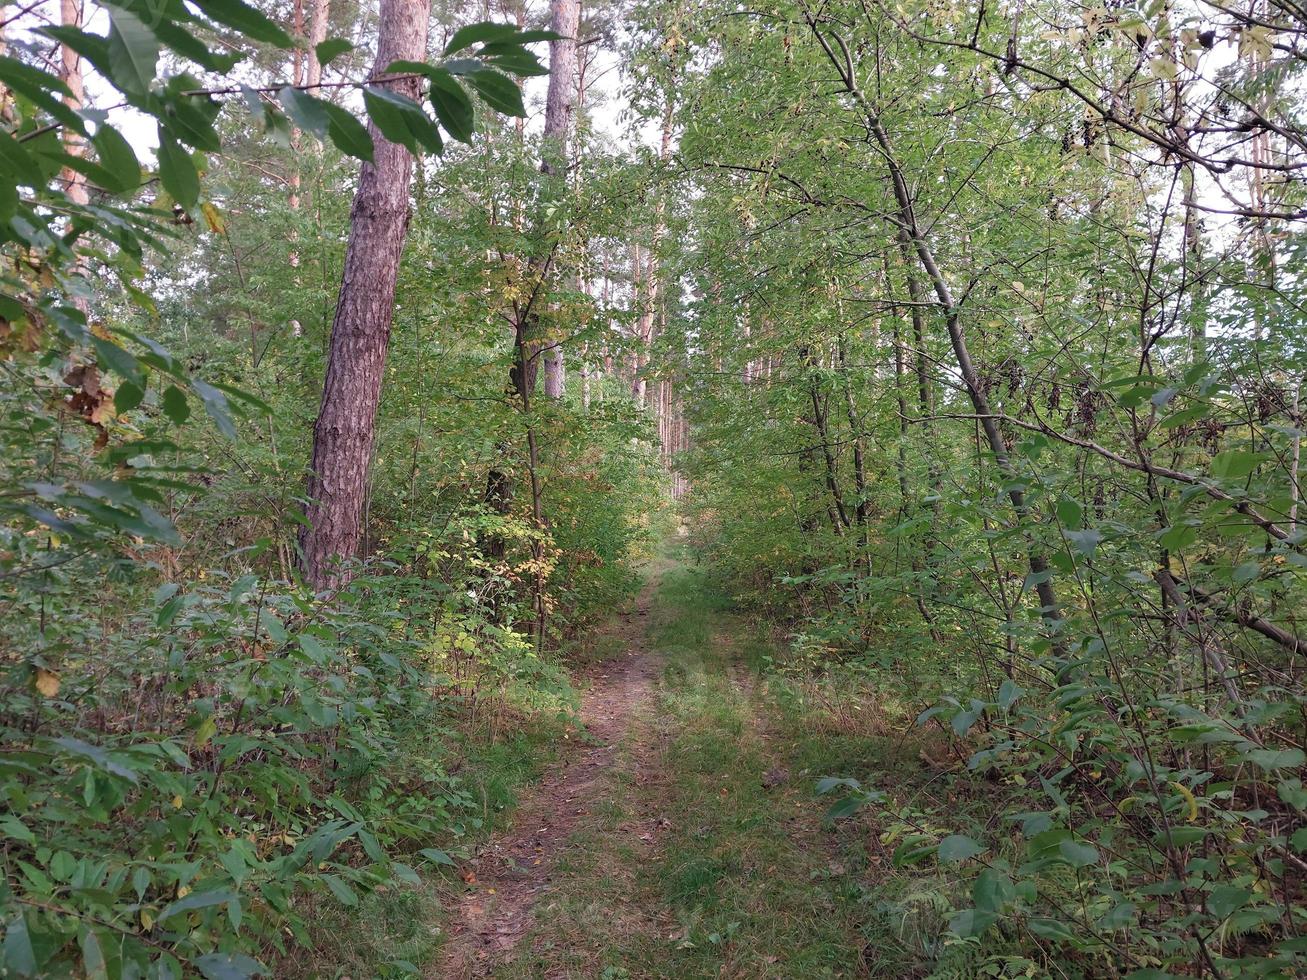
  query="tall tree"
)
[
  {"x": 345, "y": 432},
  {"x": 560, "y": 107},
  {"x": 71, "y": 14}
]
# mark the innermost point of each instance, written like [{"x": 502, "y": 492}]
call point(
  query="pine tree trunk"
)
[
  {"x": 345, "y": 432},
  {"x": 317, "y": 34},
  {"x": 560, "y": 104}
]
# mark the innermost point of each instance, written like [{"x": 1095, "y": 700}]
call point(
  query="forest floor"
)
[{"x": 681, "y": 836}]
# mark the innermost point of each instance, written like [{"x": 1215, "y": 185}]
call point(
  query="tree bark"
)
[
  {"x": 345, "y": 431},
  {"x": 318, "y": 18},
  {"x": 71, "y": 15},
  {"x": 560, "y": 105}
]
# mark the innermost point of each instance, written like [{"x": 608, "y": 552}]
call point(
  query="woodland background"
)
[{"x": 965, "y": 340}]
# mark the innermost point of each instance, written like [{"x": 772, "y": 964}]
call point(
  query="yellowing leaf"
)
[
  {"x": 213, "y": 218},
  {"x": 47, "y": 683},
  {"x": 1184, "y": 791},
  {"x": 208, "y": 728},
  {"x": 177, "y": 802}
]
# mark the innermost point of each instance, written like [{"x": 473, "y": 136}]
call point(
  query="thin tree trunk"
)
[
  {"x": 640, "y": 300},
  {"x": 560, "y": 106},
  {"x": 345, "y": 432},
  {"x": 821, "y": 422},
  {"x": 1039, "y": 570},
  {"x": 70, "y": 15}
]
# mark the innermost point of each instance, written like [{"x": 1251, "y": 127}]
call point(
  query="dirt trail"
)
[{"x": 514, "y": 870}]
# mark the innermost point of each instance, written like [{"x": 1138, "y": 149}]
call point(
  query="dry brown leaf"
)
[{"x": 47, "y": 682}]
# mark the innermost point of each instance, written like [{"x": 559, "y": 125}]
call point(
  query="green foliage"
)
[
  {"x": 1138, "y": 740},
  {"x": 204, "y": 765}
]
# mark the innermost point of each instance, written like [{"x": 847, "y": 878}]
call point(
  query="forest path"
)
[
  {"x": 682, "y": 837},
  {"x": 513, "y": 870}
]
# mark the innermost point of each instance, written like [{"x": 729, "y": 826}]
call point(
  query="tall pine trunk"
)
[
  {"x": 346, "y": 428},
  {"x": 560, "y": 104}
]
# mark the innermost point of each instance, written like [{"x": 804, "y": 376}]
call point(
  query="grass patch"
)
[
  {"x": 705, "y": 852},
  {"x": 396, "y": 931},
  {"x": 737, "y": 880}
]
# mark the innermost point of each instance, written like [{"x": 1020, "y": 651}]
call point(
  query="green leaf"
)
[
  {"x": 465, "y": 37},
  {"x": 992, "y": 890},
  {"x": 241, "y": 17},
  {"x": 93, "y": 957},
  {"x": 1070, "y": 513},
  {"x": 177, "y": 171},
  {"x": 229, "y": 966},
  {"x": 514, "y": 60},
  {"x": 1077, "y": 854},
  {"x": 216, "y": 405},
  {"x": 15, "y": 829},
  {"x": 118, "y": 360},
  {"x": 1180, "y": 836},
  {"x": 964, "y": 720},
  {"x": 1226, "y": 900},
  {"x": 845, "y": 808},
  {"x": 16, "y": 160},
  {"x": 1051, "y": 929},
  {"x": 1008, "y": 693},
  {"x": 93, "y": 47},
  {"x": 498, "y": 90},
  {"x": 198, "y": 900},
  {"x": 327, "y": 121},
  {"x": 331, "y": 49},
  {"x": 971, "y": 922},
  {"x": 1271, "y": 759},
  {"x": 19, "y": 956},
  {"x": 189, "y": 46},
  {"x": 344, "y": 894},
  {"x": 1235, "y": 464},
  {"x": 1119, "y": 917},
  {"x": 828, "y": 784},
  {"x": 1247, "y": 572},
  {"x": 41, "y": 88},
  {"x": 314, "y": 648},
  {"x": 133, "y": 53},
  {"x": 401, "y": 120},
  {"x": 453, "y": 107},
  {"x": 531, "y": 37},
  {"x": 308, "y": 111},
  {"x": 957, "y": 847},
  {"x": 1291, "y": 791},
  {"x": 118, "y": 159},
  {"x": 96, "y": 756},
  {"x": 175, "y": 405},
  {"x": 434, "y": 855},
  {"x": 463, "y": 66},
  {"x": 1177, "y": 537},
  {"x": 128, "y": 396},
  {"x": 191, "y": 121},
  {"x": 1085, "y": 542}
]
